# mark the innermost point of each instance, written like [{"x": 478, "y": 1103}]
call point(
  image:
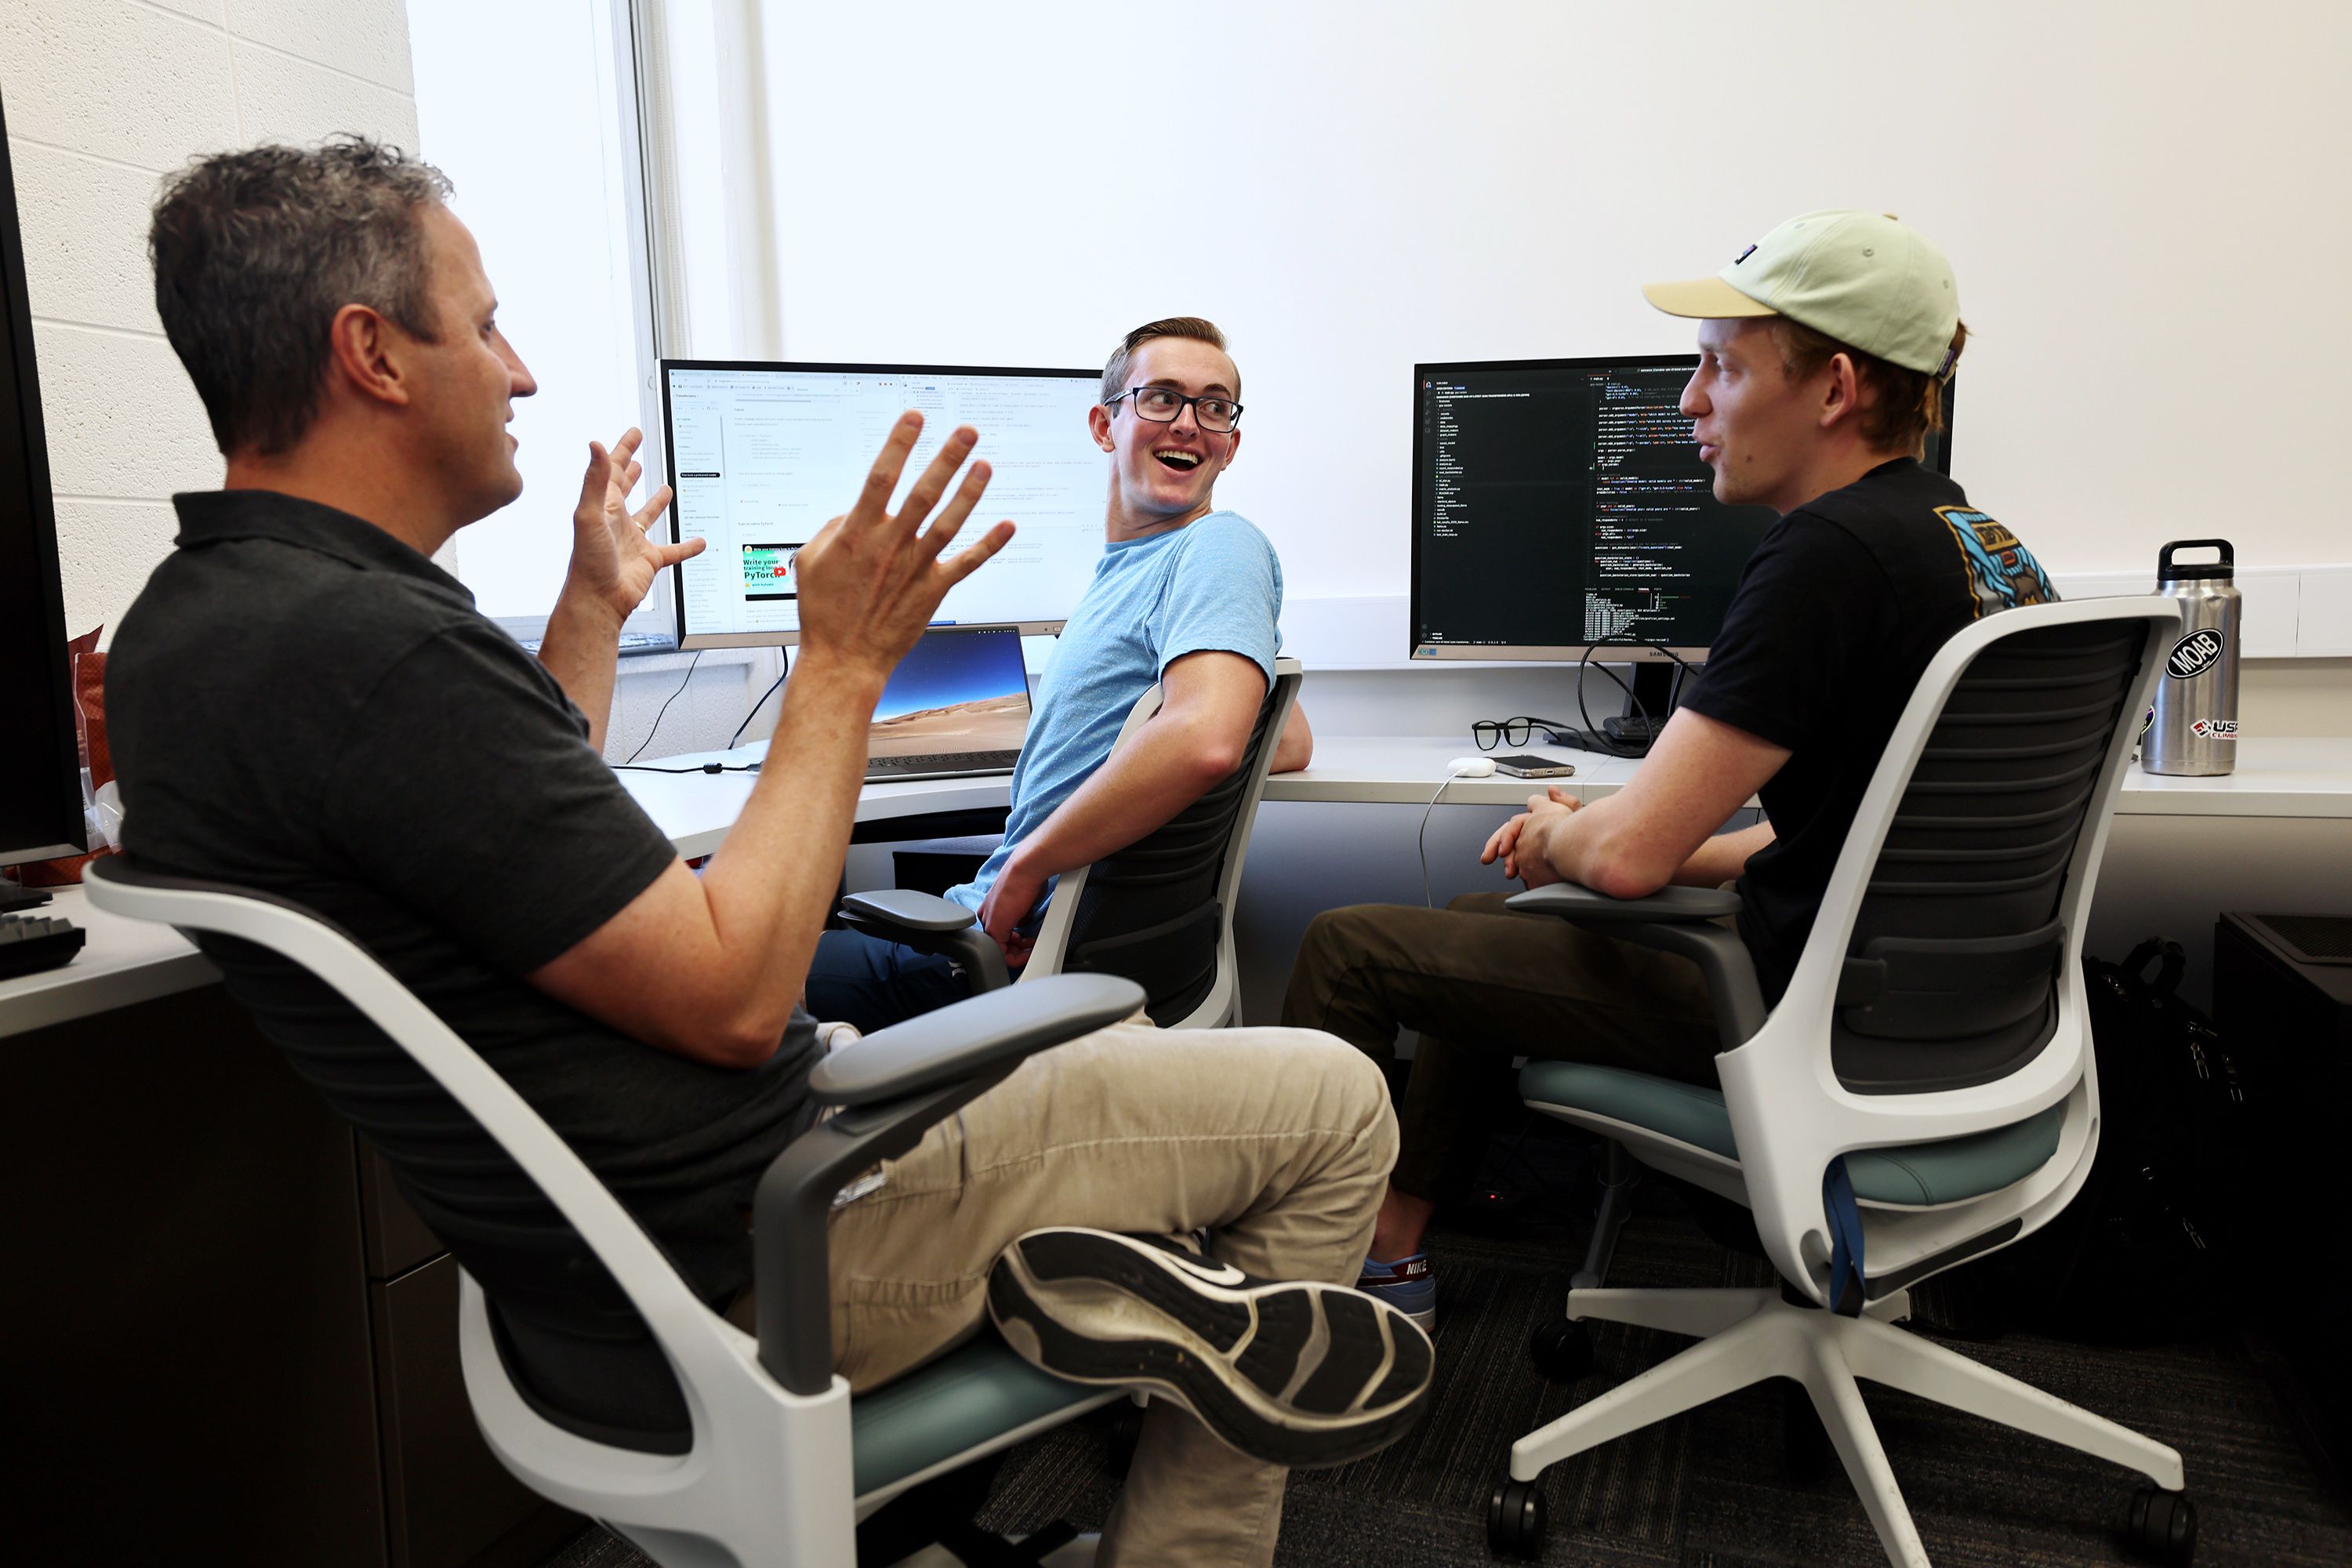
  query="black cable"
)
[
  {"x": 755, "y": 713},
  {"x": 664, "y": 708},
  {"x": 690, "y": 768},
  {"x": 1594, "y": 737}
]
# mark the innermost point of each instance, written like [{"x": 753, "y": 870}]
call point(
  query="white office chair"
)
[
  {"x": 773, "y": 1463},
  {"x": 1924, "y": 1091},
  {"x": 1160, "y": 912}
]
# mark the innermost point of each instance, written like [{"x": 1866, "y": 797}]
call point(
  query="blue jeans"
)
[{"x": 863, "y": 980}]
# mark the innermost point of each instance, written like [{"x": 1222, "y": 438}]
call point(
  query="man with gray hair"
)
[{"x": 305, "y": 706}]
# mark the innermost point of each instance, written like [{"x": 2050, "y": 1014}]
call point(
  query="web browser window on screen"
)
[{"x": 763, "y": 455}]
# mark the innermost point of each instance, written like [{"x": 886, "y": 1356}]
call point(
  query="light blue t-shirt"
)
[{"x": 1214, "y": 585}]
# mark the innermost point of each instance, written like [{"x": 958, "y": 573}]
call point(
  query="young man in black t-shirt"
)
[
  {"x": 304, "y": 705},
  {"x": 1822, "y": 351}
]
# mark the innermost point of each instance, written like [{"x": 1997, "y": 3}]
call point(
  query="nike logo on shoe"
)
[{"x": 1293, "y": 1373}]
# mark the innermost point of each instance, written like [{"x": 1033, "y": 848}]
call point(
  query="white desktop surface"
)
[
  {"x": 2282, "y": 776},
  {"x": 696, "y": 809},
  {"x": 125, "y": 961},
  {"x": 121, "y": 962},
  {"x": 2290, "y": 777}
]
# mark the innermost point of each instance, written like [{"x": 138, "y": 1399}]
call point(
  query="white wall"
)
[
  {"x": 103, "y": 98},
  {"x": 2138, "y": 204},
  {"x": 2141, "y": 203}
]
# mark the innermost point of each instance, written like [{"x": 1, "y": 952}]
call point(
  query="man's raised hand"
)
[
  {"x": 613, "y": 558},
  {"x": 871, "y": 579}
]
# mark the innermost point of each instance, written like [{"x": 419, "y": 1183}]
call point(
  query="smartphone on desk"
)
[{"x": 1526, "y": 765}]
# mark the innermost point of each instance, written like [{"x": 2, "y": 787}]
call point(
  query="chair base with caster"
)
[
  {"x": 1517, "y": 1521},
  {"x": 1921, "y": 1091},
  {"x": 1748, "y": 1335}
]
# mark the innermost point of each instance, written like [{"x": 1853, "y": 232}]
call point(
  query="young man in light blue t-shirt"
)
[{"x": 1186, "y": 596}]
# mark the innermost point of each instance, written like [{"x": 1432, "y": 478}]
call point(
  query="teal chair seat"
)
[
  {"x": 950, "y": 1407},
  {"x": 1912, "y": 1174}
]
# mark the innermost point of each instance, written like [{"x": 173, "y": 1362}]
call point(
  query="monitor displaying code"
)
[{"x": 1559, "y": 503}]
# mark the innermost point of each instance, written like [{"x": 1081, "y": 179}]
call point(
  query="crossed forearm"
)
[
  {"x": 1723, "y": 857},
  {"x": 1170, "y": 765}
]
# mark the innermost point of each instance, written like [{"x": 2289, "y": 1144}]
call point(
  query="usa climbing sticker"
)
[{"x": 2214, "y": 728}]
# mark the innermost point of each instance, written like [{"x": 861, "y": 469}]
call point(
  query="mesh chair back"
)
[
  {"x": 1154, "y": 912},
  {"x": 1952, "y": 970}
]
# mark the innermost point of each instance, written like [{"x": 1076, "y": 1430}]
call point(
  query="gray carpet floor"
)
[{"x": 1707, "y": 1490}]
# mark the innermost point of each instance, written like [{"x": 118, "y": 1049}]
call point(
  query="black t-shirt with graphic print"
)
[{"x": 1836, "y": 616}]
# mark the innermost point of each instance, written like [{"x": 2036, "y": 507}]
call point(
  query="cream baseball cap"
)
[{"x": 1864, "y": 278}]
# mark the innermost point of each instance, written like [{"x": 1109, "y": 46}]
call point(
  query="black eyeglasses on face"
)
[
  {"x": 1161, "y": 405},
  {"x": 1488, "y": 734}
]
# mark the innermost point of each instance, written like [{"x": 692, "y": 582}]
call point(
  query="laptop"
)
[{"x": 956, "y": 705}]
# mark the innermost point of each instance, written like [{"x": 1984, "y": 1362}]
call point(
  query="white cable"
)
[{"x": 1459, "y": 768}]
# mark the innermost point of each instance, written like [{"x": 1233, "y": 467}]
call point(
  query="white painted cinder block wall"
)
[{"x": 104, "y": 97}]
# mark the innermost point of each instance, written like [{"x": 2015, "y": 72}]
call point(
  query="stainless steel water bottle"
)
[{"x": 2193, "y": 728}]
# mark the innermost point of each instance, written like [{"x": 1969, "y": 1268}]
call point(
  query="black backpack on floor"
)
[{"x": 2145, "y": 1251}]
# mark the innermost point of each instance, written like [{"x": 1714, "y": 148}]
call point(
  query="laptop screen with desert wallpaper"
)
[{"x": 960, "y": 691}]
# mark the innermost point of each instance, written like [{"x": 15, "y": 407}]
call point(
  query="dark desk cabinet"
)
[
  {"x": 2289, "y": 1022},
  {"x": 223, "y": 1337}
]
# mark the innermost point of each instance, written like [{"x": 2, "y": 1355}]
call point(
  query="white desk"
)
[
  {"x": 122, "y": 962},
  {"x": 2305, "y": 777},
  {"x": 130, "y": 961},
  {"x": 2283, "y": 777}
]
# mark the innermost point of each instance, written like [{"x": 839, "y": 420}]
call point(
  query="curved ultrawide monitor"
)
[
  {"x": 1560, "y": 503},
  {"x": 762, "y": 455}
]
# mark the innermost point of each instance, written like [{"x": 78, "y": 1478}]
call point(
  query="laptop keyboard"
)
[{"x": 940, "y": 762}]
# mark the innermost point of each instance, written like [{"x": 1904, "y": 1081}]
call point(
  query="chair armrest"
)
[
  {"x": 906, "y": 910},
  {"x": 893, "y": 1085},
  {"x": 1672, "y": 920},
  {"x": 958, "y": 1042},
  {"x": 928, "y": 923},
  {"x": 1575, "y": 901}
]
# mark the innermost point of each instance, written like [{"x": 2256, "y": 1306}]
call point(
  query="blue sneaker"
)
[{"x": 1406, "y": 1285}]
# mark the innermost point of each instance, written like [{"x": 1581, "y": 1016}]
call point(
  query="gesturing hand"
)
[
  {"x": 870, "y": 581},
  {"x": 613, "y": 561},
  {"x": 1519, "y": 843}
]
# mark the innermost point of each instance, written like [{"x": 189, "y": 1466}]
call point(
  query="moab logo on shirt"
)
[{"x": 2001, "y": 571}]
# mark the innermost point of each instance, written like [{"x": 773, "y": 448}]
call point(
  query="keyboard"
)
[
  {"x": 942, "y": 763},
  {"x": 30, "y": 942}
]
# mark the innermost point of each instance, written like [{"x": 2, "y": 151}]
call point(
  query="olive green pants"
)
[{"x": 1483, "y": 984}]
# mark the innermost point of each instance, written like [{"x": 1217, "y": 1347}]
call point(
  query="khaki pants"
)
[
  {"x": 1483, "y": 984},
  {"x": 1277, "y": 1139}
]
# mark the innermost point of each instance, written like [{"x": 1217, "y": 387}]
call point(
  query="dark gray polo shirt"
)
[{"x": 300, "y": 704}]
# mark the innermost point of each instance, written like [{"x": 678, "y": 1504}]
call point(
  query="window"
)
[{"x": 530, "y": 107}]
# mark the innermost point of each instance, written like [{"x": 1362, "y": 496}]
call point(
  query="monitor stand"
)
[{"x": 1630, "y": 733}]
